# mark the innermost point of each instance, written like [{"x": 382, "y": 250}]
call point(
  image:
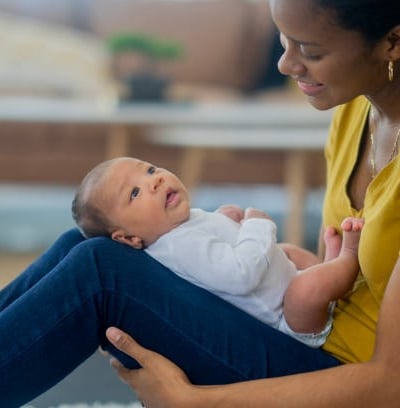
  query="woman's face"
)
[{"x": 331, "y": 65}]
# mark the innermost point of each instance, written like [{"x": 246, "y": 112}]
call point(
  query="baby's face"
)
[{"x": 143, "y": 200}]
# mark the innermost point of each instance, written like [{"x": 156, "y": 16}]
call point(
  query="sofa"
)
[{"x": 227, "y": 43}]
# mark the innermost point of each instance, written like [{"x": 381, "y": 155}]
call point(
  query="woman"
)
[
  {"x": 336, "y": 50},
  {"x": 56, "y": 313}
]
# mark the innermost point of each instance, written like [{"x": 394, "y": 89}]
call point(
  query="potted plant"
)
[{"x": 137, "y": 61}]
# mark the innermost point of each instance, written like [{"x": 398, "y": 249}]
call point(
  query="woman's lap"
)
[{"x": 61, "y": 320}]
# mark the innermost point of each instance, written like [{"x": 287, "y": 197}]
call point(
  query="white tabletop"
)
[{"x": 249, "y": 114}]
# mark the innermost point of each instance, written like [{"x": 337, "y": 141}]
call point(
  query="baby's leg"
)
[
  {"x": 307, "y": 299},
  {"x": 351, "y": 236},
  {"x": 333, "y": 243}
]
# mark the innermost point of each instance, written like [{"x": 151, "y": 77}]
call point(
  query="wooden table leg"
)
[
  {"x": 117, "y": 142},
  {"x": 296, "y": 184},
  {"x": 192, "y": 166}
]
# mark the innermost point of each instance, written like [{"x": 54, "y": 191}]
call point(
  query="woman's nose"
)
[{"x": 289, "y": 65}]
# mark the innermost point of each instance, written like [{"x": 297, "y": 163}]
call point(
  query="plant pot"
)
[{"x": 146, "y": 87}]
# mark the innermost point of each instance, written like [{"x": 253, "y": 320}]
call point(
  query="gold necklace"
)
[{"x": 395, "y": 148}]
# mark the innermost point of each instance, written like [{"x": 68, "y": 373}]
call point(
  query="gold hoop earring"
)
[{"x": 390, "y": 71}]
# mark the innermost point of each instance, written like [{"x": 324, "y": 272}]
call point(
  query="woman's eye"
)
[
  {"x": 311, "y": 54},
  {"x": 312, "y": 57},
  {"x": 151, "y": 170},
  {"x": 135, "y": 193}
]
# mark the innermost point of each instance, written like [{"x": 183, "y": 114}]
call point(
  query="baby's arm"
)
[
  {"x": 254, "y": 213},
  {"x": 237, "y": 214},
  {"x": 213, "y": 262},
  {"x": 232, "y": 211}
]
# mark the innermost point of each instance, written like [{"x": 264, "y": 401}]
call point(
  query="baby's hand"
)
[
  {"x": 231, "y": 211},
  {"x": 254, "y": 213}
]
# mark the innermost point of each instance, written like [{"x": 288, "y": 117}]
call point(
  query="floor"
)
[
  {"x": 12, "y": 264},
  {"x": 94, "y": 381}
]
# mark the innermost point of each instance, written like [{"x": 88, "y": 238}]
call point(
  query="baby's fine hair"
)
[{"x": 89, "y": 217}]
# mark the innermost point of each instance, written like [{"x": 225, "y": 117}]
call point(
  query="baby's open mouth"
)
[{"x": 171, "y": 194}]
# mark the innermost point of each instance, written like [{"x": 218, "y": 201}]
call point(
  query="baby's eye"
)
[
  {"x": 134, "y": 193},
  {"x": 151, "y": 170}
]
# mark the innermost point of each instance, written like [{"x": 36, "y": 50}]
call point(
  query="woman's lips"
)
[{"x": 309, "y": 88}]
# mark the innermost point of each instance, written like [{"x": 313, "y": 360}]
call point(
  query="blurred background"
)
[{"x": 82, "y": 81}]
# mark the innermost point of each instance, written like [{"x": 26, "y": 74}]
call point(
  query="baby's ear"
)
[{"x": 131, "y": 240}]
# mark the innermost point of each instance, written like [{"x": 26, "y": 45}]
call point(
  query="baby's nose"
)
[{"x": 157, "y": 182}]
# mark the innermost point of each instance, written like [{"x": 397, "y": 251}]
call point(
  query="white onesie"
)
[{"x": 241, "y": 263}]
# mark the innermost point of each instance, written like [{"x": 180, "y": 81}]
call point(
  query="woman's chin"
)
[{"x": 320, "y": 103}]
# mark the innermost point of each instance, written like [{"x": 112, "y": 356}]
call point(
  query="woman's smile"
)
[{"x": 310, "y": 88}]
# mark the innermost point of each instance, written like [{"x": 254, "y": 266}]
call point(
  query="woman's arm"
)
[{"x": 374, "y": 384}]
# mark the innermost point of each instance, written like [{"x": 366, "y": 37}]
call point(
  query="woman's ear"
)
[
  {"x": 131, "y": 240},
  {"x": 394, "y": 41}
]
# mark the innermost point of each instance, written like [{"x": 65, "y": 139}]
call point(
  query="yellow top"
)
[{"x": 353, "y": 334}]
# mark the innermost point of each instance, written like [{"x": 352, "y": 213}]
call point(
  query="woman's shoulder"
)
[
  {"x": 349, "y": 120},
  {"x": 353, "y": 109}
]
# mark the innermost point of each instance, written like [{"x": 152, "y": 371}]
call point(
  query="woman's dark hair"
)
[{"x": 371, "y": 18}]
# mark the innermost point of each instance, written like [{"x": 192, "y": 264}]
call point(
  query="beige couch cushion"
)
[
  {"x": 41, "y": 59},
  {"x": 227, "y": 42}
]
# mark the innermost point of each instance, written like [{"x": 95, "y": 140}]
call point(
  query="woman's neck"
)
[{"x": 386, "y": 102}]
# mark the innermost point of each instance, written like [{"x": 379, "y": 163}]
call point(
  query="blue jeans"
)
[{"x": 54, "y": 316}]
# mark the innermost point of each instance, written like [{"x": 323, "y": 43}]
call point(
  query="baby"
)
[{"x": 230, "y": 252}]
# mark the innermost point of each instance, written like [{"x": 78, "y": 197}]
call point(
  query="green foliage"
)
[{"x": 147, "y": 45}]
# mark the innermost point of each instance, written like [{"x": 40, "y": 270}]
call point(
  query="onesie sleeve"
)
[{"x": 217, "y": 265}]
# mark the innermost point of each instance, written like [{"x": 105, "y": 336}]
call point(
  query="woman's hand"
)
[{"x": 159, "y": 383}]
